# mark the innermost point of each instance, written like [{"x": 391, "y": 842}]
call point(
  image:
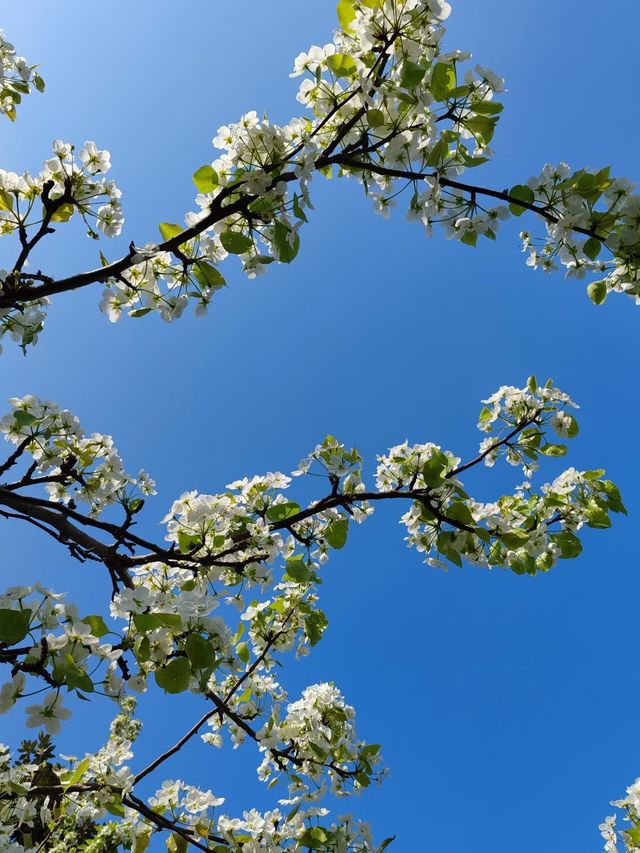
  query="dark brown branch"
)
[
  {"x": 409, "y": 175},
  {"x": 175, "y": 748},
  {"x": 499, "y": 443},
  {"x": 50, "y": 514},
  {"x": 17, "y": 453}
]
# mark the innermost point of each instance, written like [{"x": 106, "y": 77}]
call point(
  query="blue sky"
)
[{"x": 506, "y": 706}]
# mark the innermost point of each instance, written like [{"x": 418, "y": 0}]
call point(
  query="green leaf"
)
[
  {"x": 285, "y": 250},
  {"x": 614, "y": 498},
  {"x": 143, "y": 838},
  {"x": 75, "y": 676},
  {"x": 38, "y": 82},
  {"x": 297, "y": 569},
  {"x": 146, "y": 621},
  {"x": 280, "y": 512},
  {"x": 74, "y": 776},
  {"x": 242, "y": 650},
  {"x": 315, "y": 625},
  {"x": 482, "y": 127},
  {"x": 341, "y": 64},
  {"x": 14, "y": 625},
  {"x": 318, "y": 750},
  {"x": 115, "y": 807},
  {"x": 514, "y": 538},
  {"x": 187, "y": 542},
  {"x": 386, "y": 843},
  {"x": 6, "y": 200},
  {"x": 97, "y": 625},
  {"x": 208, "y": 276},
  {"x": 235, "y": 242},
  {"x": 522, "y": 193},
  {"x": 314, "y": 837},
  {"x": 149, "y": 621},
  {"x": 199, "y": 651},
  {"x": 175, "y": 676},
  {"x": 573, "y": 428},
  {"x": 336, "y": 533},
  {"x": 633, "y": 834},
  {"x": 346, "y": 13},
  {"x": 205, "y": 178},
  {"x": 135, "y": 505},
  {"x": 592, "y": 248},
  {"x": 297, "y": 210},
  {"x": 434, "y": 469},
  {"x": 459, "y": 511},
  {"x": 169, "y": 230},
  {"x": 363, "y": 780},
  {"x": 412, "y": 74},
  {"x": 375, "y": 118},
  {"x": 443, "y": 80},
  {"x": 593, "y": 475},
  {"x": 597, "y": 517},
  {"x": 568, "y": 543},
  {"x": 176, "y": 843},
  {"x": 487, "y": 108},
  {"x": 143, "y": 649},
  {"x": 23, "y": 419},
  {"x": 554, "y": 449},
  {"x": 597, "y": 291},
  {"x": 63, "y": 213}
]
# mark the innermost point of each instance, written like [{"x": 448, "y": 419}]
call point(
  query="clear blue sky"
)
[{"x": 507, "y": 706}]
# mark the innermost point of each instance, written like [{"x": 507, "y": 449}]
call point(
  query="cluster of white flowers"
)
[
  {"x": 72, "y": 466},
  {"x": 16, "y": 78},
  {"x": 187, "y": 805},
  {"x": 629, "y": 834},
  {"x": 276, "y": 832},
  {"x": 248, "y": 176},
  {"x": 66, "y": 184},
  {"x": 58, "y": 646},
  {"x": 591, "y": 212},
  {"x": 14, "y": 810},
  {"x": 23, "y": 325},
  {"x": 36, "y": 203},
  {"x": 317, "y": 735},
  {"x": 378, "y": 90},
  {"x": 421, "y": 466},
  {"x": 526, "y": 532},
  {"x": 533, "y": 406}
]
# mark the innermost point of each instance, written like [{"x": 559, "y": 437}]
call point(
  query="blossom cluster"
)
[
  {"x": 379, "y": 92},
  {"x": 525, "y": 531},
  {"x": 66, "y": 184},
  {"x": 58, "y": 646},
  {"x": 318, "y": 734},
  {"x": 16, "y": 78},
  {"x": 31, "y": 206},
  {"x": 591, "y": 214},
  {"x": 72, "y": 465},
  {"x": 629, "y": 834}
]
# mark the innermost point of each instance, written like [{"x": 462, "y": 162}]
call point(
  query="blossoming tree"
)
[{"x": 217, "y": 605}]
